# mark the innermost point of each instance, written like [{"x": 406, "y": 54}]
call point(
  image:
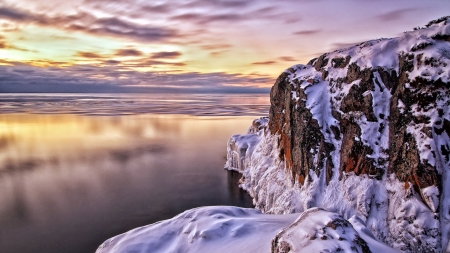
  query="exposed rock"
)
[
  {"x": 317, "y": 230},
  {"x": 364, "y": 131}
]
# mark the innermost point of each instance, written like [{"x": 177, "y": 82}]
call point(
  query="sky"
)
[{"x": 200, "y": 46}]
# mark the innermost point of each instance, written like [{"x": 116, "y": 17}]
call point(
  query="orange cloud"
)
[
  {"x": 128, "y": 52},
  {"x": 264, "y": 63}
]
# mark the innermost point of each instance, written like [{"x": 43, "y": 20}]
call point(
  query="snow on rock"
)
[
  {"x": 234, "y": 229},
  {"x": 366, "y": 235},
  {"x": 240, "y": 147},
  {"x": 205, "y": 229},
  {"x": 361, "y": 131},
  {"x": 317, "y": 230}
]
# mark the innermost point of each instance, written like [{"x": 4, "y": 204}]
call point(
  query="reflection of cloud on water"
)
[
  {"x": 5, "y": 141},
  {"x": 72, "y": 172},
  {"x": 20, "y": 166},
  {"x": 18, "y": 210},
  {"x": 124, "y": 155}
]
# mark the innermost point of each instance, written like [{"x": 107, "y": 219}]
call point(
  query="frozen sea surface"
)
[{"x": 77, "y": 169}]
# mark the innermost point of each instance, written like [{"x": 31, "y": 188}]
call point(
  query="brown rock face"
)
[
  {"x": 377, "y": 113},
  {"x": 295, "y": 142},
  {"x": 300, "y": 132}
]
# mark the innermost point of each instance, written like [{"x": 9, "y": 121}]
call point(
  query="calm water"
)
[{"x": 78, "y": 169}]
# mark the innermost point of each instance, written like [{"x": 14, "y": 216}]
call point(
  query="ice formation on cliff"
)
[
  {"x": 360, "y": 131},
  {"x": 355, "y": 157}
]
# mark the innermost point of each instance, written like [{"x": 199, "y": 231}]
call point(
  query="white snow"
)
[
  {"x": 366, "y": 235},
  {"x": 240, "y": 147},
  {"x": 317, "y": 230},
  {"x": 234, "y": 229},
  {"x": 204, "y": 229}
]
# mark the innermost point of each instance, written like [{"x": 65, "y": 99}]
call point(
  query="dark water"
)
[{"x": 70, "y": 180}]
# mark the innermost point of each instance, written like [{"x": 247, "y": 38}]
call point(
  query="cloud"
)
[
  {"x": 215, "y": 46},
  {"x": 128, "y": 52},
  {"x": 287, "y": 58},
  {"x": 114, "y": 78},
  {"x": 89, "y": 55},
  {"x": 157, "y": 8},
  {"x": 235, "y": 4},
  {"x": 165, "y": 55},
  {"x": 342, "y": 45},
  {"x": 216, "y": 53},
  {"x": 118, "y": 28},
  {"x": 3, "y": 43},
  {"x": 89, "y": 23},
  {"x": 210, "y": 18},
  {"x": 264, "y": 63},
  {"x": 394, "y": 15},
  {"x": 6, "y": 45},
  {"x": 306, "y": 32},
  {"x": 111, "y": 62},
  {"x": 151, "y": 62},
  {"x": 233, "y": 15},
  {"x": 13, "y": 14}
]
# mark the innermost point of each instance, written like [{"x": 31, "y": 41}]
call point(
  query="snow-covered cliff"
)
[
  {"x": 355, "y": 157},
  {"x": 363, "y": 131}
]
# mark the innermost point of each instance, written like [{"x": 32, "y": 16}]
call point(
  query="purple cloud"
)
[
  {"x": 128, "y": 52},
  {"x": 394, "y": 15},
  {"x": 306, "y": 32},
  {"x": 88, "y": 23},
  {"x": 165, "y": 55},
  {"x": 83, "y": 78},
  {"x": 287, "y": 58},
  {"x": 89, "y": 55}
]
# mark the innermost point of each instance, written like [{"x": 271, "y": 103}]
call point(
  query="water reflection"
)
[
  {"x": 68, "y": 182},
  {"x": 126, "y": 104}
]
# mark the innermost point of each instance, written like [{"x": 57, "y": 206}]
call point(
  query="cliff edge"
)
[{"x": 363, "y": 131}]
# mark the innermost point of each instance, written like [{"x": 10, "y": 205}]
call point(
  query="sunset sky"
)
[{"x": 184, "y": 45}]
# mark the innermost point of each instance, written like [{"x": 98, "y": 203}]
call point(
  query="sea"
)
[{"x": 77, "y": 169}]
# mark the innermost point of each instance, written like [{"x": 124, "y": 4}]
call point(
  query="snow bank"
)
[
  {"x": 234, "y": 229},
  {"x": 317, "y": 230},
  {"x": 205, "y": 229}
]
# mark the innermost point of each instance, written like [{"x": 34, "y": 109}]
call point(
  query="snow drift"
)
[{"x": 234, "y": 229}]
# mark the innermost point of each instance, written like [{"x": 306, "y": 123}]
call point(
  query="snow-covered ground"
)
[
  {"x": 205, "y": 229},
  {"x": 234, "y": 229}
]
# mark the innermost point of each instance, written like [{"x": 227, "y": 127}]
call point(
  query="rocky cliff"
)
[{"x": 363, "y": 131}]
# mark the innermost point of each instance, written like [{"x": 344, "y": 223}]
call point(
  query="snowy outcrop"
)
[
  {"x": 234, "y": 229},
  {"x": 363, "y": 131},
  {"x": 205, "y": 229},
  {"x": 241, "y": 147},
  {"x": 317, "y": 230}
]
